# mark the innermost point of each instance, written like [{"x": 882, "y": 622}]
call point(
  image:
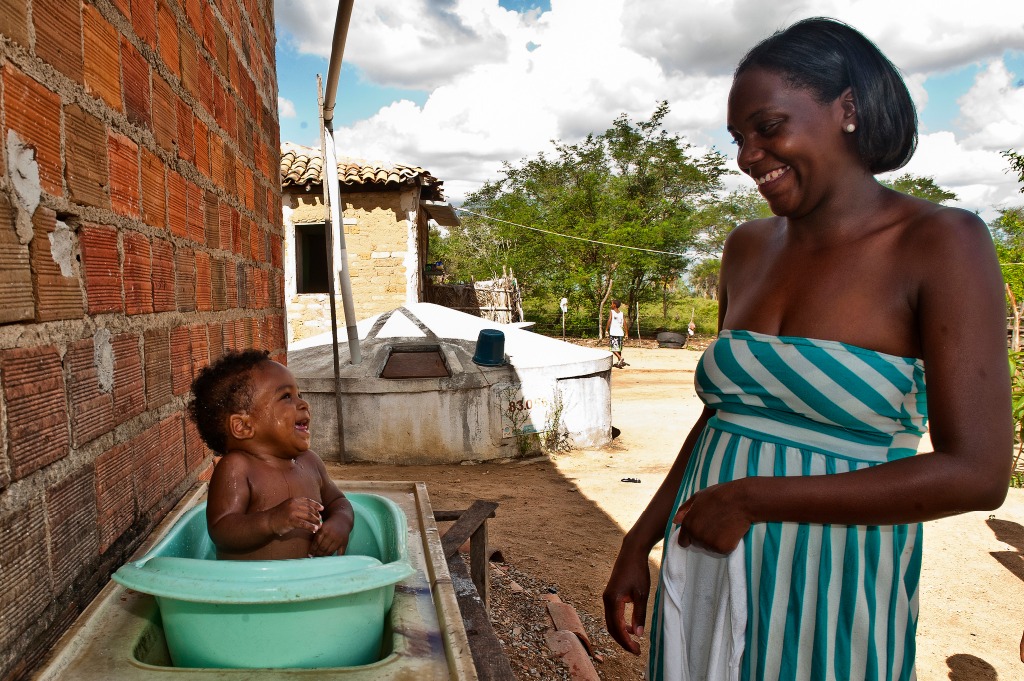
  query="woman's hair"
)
[
  {"x": 826, "y": 56},
  {"x": 221, "y": 389}
]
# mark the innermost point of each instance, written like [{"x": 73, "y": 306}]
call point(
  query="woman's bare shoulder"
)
[{"x": 934, "y": 231}]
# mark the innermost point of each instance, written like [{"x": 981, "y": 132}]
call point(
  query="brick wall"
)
[{"x": 140, "y": 237}]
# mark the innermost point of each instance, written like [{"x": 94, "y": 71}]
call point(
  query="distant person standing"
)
[{"x": 616, "y": 333}]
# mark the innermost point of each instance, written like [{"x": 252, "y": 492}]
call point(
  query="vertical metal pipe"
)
[
  {"x": 331, "y": 166},
  {"x": 341, "y": 23},
  {"x": 329, "y": 235}
]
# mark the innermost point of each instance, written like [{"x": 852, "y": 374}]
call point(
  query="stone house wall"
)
[
  {"x": 140, "y": 237},
  {"x": 386, "y": 240}
]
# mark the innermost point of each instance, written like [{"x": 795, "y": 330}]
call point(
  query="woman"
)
[{"x": 795, "y": 503}]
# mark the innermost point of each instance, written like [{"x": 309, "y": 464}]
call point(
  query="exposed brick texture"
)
[
  {"x": 177, "y": 204},
  {"x": 172, "y": 450},
  {"x": 144, "y": 20},
  {"x": 157, "y": 344},
  {"x": 124, "y": 175},
  {"x": 154, "y": 201},
  {"x": 181, "y": 360},
  {"x": 15, "y": 269},
  {"x": 37, "y": 415},
  {"x": 129, "y": 383},
  {"x": 185, "y": 279},
  {"x": 59, "y": 294},
  {"x": 92, "y": 408},
  {"x": 25, "y": 584},
  {"x": 86, "y": 148},
  {"x": 163, "y": 276},
  {"x": 152, "y": 125},
  {"x": 14, "y": 20},
  {"x": 165, "y": 120},
  {"x": 138, "y": 100},
  {"x": 58, "y": 25},
  {"x": 203, "y": 283},
  {"x": 34, "y": 113},
  {"x": 147, "y": 475},
  {"x": 115, "y": 500},
  {"x": 101, "y": 263},
  {"x": 138, "y": 274},
  {"x": 71, "y": 514},
  {"x": 102, "y": 67}
]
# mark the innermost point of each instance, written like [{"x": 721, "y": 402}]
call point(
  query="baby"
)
[{"x": 270, "y": 496}]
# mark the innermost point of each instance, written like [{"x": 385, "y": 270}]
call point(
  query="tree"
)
[
  {"x": 635, "y": 185},
  {"x": 704, "y": 278},
  {"x": 921, "y": 187},
  {"x": 1016, "y": 165}
]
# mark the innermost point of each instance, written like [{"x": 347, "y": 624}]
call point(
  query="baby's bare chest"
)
[{"x": 269, "y": 487}]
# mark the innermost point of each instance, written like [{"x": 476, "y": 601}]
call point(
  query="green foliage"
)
[
  {"x": 704, "y": 278},
  {"x": 921, "y": 187},
  {"x": 634, "y": 185},
  {"x": 653, "y": 317},
  {"x": 1016, "y": 165},
  {"x": 1008, "y": 235},
  {"x": 1017, "y": 397}
]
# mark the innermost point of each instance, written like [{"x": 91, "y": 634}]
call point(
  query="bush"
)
[{"x": 582, "y": 323}]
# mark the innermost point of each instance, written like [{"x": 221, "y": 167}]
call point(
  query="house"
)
[{"x": 386, "y": 209}]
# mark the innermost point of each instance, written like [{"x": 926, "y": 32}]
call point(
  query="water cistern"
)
[{"x": 436, "y": 385}]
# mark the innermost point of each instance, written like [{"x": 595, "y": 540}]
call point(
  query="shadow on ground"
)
[{"x": 964, "y": 667}]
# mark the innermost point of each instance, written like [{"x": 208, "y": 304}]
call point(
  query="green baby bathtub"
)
[{"x": 305, "y": 613}]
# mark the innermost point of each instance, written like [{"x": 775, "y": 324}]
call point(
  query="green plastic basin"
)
[{"x": 305, "y": 613}]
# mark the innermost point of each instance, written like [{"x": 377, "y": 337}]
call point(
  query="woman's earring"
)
[{"x": 850, "y": 127}]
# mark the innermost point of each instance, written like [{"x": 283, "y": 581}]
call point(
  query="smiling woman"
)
[{"x": 796, "y": 502}]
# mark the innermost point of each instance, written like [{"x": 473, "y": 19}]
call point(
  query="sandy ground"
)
[{"x": 561, "y": 520}]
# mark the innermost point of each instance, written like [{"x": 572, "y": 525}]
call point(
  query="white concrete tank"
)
[{"x": 439, "y": 406}]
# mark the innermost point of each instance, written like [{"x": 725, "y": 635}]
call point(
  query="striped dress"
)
[{"x": 795, "y": 600}]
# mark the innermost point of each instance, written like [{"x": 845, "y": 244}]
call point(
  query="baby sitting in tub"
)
[{"x": 270, "y": 496}]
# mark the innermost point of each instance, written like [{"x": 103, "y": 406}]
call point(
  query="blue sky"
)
[{"x": 458, "y": 86}]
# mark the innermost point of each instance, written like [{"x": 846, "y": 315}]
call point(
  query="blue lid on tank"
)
[{"x": 490, "y": 348}]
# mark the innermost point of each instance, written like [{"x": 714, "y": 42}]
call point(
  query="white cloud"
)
[
  {"x": 992, "y": 111},
  {"x": 285, "y": 108},
  {"x": 502, "y": 85},
  {"x": 977, "y": 176}
]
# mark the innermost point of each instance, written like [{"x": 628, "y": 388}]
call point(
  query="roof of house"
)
[{"x": 303, "y": 167}]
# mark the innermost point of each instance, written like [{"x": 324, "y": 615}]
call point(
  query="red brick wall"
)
[{"x": 138, "y": 242}]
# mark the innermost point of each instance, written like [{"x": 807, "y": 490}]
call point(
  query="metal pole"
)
[
  {"x": 341, "y": 23},
  {"x": 351, "y": 329},
  {"x": 329, "y": 235}
]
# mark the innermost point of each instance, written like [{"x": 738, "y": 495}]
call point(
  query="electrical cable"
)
[{"x": 569, "y": 236}]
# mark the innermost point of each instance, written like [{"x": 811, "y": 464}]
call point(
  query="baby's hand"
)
[
  {"x": 296, "y": 513},
  {"x": 331, "y": 538}
]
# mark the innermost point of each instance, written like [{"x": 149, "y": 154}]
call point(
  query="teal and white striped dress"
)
[{"x": 802, "y": 601}]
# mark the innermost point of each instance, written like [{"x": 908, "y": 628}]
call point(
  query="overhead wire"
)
[{"x": 570, "y": 236}]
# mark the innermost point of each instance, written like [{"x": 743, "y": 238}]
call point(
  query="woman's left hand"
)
[{"x": 714, "y": 518}]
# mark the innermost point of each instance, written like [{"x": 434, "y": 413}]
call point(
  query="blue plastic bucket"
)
[{"x": 490, "y": 348}]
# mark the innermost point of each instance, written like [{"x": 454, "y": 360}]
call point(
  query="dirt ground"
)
[{"x": 560, "y": 521}]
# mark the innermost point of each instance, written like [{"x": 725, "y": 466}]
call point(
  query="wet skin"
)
[{"x": 270, "y": 496}]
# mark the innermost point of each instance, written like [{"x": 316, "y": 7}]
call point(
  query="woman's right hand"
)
[{"x": 630, "y": 582}]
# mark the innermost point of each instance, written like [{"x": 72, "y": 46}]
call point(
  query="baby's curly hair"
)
[{"x": 222, "y": 389}]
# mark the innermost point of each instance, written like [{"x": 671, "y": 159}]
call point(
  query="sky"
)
[{"x": 459, "y": 86}]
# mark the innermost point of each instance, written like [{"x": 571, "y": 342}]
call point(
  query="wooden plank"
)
[
  {"x": 488, "y": 655},
  {"x": 445, "y": 516},
  {"x": 478, "y": 564},
  {"x": 459, "y": 533}
]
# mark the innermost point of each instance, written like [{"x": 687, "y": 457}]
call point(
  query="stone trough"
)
[{"x": 418, "y": 397}]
